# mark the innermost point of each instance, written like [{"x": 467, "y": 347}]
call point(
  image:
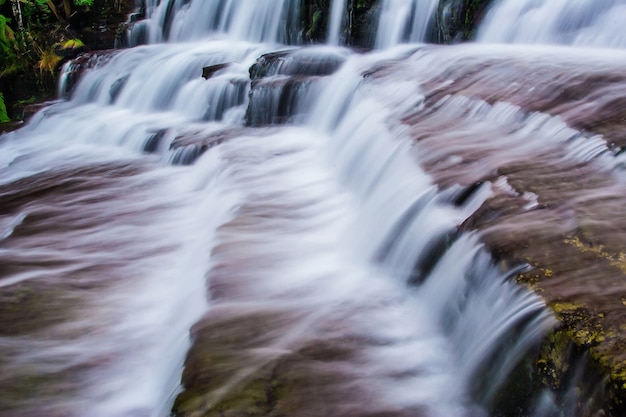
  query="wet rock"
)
[
  {"x": 154, "y": 141},
  {"x": 116, "y": 88},
  {"x": 457, "y": 20},
  {"x": 189, "y": 146},
  {"x": 588, "y": 96},
  {"x": 230, "y": 95},
  {"x": 133, "y": 31},
  {"x": 210, "y": 71},
  {"x": 10, "y": 126},
  {"x": 268, "y": 356},
  {"x": 233, "y": 370},
  {"x": 557, "y": 213},
  {"x": 187, "y": 155},
  {"x": 43, "y": 298},
  {"x": 28, "y": 307},
  {"x": 278, "y": 101},
  {"x": 283, "y": 83},
  {"x": 557, "y": 206},
  {"x": 76, "y": 67},
  {"x": 306, "y": 62},
  {"x": 364, "y": 17},
  {"x": 31, "y": 109}
]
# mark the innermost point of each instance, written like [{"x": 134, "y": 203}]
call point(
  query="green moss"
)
[
  {"x": 16, "y": 390},
  {"x": 227, "y": 373},
  {"x": 25, "y": 308},
  {"x": 251, "y": 396},
  {"x": 316, "y": 23},
  {"x": 4, "y": 117},
  {"x": 73, "y": 44},
  {"x": 251, "y": 399},
  {"x": 554, "y": 359},
  {"x": 187, "y": 400}
]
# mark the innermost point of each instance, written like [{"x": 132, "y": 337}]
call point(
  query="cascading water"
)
[
  {"x": 240, "y": 20},
  {"x": 582, "y": 23},
  {"x": 335, "y": 24},
  {"x": 328, "y": 222},
  {"x": 404, "y": 21}
]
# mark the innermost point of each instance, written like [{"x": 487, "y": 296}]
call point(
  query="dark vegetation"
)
[{"x": 38, "y": 36}]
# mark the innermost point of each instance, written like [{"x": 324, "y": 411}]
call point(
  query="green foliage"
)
[
  {"x": 30, "y": 51},
  {"x": 4, "y": 117},
  {"x": 48, "y": 61},
  {"x": 73, "y": 44},
  {"x": 35, "y": 15},
  {"x": 6, "y": 33},
  {"x": 7, "y": 45},
  {"x": 365, "y": 4},
  {"x": 32, "y": 47}
]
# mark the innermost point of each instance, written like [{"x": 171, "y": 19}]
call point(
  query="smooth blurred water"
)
[
  {"x": 346, "y": 223},
  {"x": 336, "y": 22},
  {"x": 579, "y": 22},
  {"x": 404, "y": 21}
]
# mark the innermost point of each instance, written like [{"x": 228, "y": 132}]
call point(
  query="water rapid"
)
[
  {"x": 585, "y": 23},
  {"x": 283, "y": 190},
  {"x": 404, "y": 21}
]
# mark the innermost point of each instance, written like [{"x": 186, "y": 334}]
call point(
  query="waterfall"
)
[
  {"x": 258, "y": 21},
  {"x": 404, "y": 21},
  {"x": 582, "y": 23},
  {"x": 283, "y": 184},
  {"x": 337, "y": 17}
]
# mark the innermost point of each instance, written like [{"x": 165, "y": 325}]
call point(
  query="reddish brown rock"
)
[{"x": 559, "y": 192}]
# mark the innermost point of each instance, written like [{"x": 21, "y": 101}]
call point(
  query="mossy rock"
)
[
  {"x": 27, "y": 307},
  {"x": 235, "y": 368}
]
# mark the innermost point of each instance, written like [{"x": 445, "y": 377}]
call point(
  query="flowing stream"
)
[
  {"x": 404, "y": 21},
  {"x": 337, "y": 17},
  {"x": 285, "y": 181},
  {"x": 585, "y": 23}
]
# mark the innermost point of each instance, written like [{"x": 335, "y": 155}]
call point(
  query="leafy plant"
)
[
  {"x": 48, "y": 61},
  {"x": 6, "y": 33},
  {"x": 73, "y": 44},
  {"x": 68, "y": 7},
  {"x": 4, "y": 117},
  {"x": 7, "y": 45}
]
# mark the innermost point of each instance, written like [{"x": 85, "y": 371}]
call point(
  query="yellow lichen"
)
[
  {"x": 616, "y": 260},
  {"x": 560, "y": 307}
]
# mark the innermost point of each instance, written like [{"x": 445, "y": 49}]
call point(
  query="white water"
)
[
  {"x": 597, "y": 23},
  {"x": 143, "y": 241},
  {"x": 404, "y": 21},
  {"x": 527, "y": 132},
  {"x": 254, "y": 21},
  {"x": 344, "y": 215},
  {"x": 336, "y": 22}
]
